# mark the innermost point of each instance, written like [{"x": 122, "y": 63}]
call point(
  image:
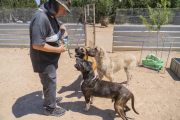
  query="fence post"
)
[
  {"x": 113, "y": 28},
  {"x": 85, "y": 25},
  {"x": 168, "y": 55},
  {"x": 94, "y": 24},
  {"x": 2, "y": 17},
  {"x": 115, "y": 15}
]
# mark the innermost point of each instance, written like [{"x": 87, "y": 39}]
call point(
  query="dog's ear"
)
[
  {"x": 98, "y": 48},
  {"x": 82, "y": 50},
  {"x": 101, "y": 53},
  {"x": 87, "y": 49},
  {"x": 84, "y": 64},
  {"x": 91, "y": 63}
]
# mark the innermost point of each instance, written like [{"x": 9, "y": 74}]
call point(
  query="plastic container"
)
[
  {"x": 175, "y": 66},
  {"x": 64, "y": 38}
]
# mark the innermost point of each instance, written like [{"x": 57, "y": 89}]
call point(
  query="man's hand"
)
[
  {"x": 61, "y": 48},
  {"x": 65, "y": 33}
]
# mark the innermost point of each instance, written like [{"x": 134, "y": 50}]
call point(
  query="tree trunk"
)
[{"x": 157, "y": 43}]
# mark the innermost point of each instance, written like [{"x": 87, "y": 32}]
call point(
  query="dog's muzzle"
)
[
  {"x": 76, "y": 51},
  {"x": 76, "y": 66}
]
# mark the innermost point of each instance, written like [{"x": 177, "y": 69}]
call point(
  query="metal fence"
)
[
  {"x": 24, "y": 15},
  {"x": 14, "y": 27},
  {"x": 130, "y": 34},
  {"x": 132, "y": 16}
]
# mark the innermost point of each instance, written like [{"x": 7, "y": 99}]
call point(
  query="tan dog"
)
[
  {"x": 81, "y": 52},
  {"x": 108, "y": 66}
]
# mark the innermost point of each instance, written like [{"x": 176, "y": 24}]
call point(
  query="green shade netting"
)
[{"x": 153, "y": 62}]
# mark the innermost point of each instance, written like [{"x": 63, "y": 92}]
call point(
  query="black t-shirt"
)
[{"x": 44, "y": 29}]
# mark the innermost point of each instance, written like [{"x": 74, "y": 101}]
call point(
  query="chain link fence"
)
[
  {"x": 24, "y": 15},
  {"x": 76, "y": 16},
  {"x": 14, "y": 15},
  {"x": 132, "y": 16}
]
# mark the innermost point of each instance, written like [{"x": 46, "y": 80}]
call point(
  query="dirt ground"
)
[{"x": 157, "y": 95}]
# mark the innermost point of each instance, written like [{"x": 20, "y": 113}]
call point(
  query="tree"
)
[
  {"x": 174, "y": 3},
  {"x": 115, "y": 4},
  {"x": 6, "y": 3},
  {"x": 104, "y": 7},
  {"x": 153, "y": 3},
  {"x": 158, "y": 17},
  {"x": 127, "y": 4},
  {"x": 140, "y": 4},
  {"x": 42, "y": 1},
  {"x": 16, "y": 4},
  {"x": 76, "y": 3},
  {"x": 33, "y": 4}
]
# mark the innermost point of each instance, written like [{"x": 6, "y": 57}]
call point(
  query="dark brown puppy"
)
[
  {"x": 93, "y": 86},
  {"x": 81, "y": 52}
]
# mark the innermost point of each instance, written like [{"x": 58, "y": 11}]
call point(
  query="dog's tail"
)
[{"x": 132, "y": 102}]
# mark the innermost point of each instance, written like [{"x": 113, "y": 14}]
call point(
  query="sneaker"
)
[
  {"x": 55, "y": 112},
  {"x": 58, "y": 99}
]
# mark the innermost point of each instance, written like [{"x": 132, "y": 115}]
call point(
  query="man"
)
[{"x": 45, "y": 50}]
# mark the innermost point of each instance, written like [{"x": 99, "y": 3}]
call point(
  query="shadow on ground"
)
[
  {"x": 172, "y": 74},
  {"x": 78, "y": 106},
  {"x": 75, "y": 86},
  {"x": 29, "y": 104}
]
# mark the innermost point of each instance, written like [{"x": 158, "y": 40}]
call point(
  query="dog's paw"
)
[{"x": 85, "y": 110}]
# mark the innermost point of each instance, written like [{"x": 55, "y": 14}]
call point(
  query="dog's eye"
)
[{"x": 82, "y": 50}]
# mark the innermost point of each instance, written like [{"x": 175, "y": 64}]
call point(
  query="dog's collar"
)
[{"x": 94, "y": 78}]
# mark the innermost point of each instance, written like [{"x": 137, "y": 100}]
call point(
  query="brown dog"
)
[
  {"x": 81, "y": 52},
  {"x": 93, "y": 86}
]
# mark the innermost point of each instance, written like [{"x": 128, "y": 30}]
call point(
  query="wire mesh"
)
[
  {"x": 24, "y": 15},
  {"x": 132, "y": 16},
  {"x": 76, "y": 16},
  {"x": 89, "y": 15},
  {"x": 13, "y": 15}
]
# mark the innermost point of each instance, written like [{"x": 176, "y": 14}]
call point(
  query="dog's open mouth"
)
[
  {"x": 79, "y": 55},
  {"x": 76, "y": 55},
  {"x": 76, "y": 66}
]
